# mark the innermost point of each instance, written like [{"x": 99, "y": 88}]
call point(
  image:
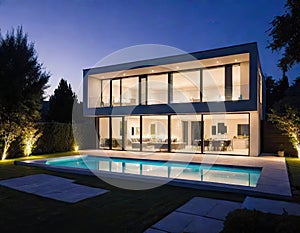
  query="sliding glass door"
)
[
  {"x": 117, "y": 133},
  {"x": 186, "y": 133},
  {"x": 216, "y": 133},
  {"x": 227, "y": 133},
  {"x": 104, "y": 138},
  {"x": 132, "y": 133}
]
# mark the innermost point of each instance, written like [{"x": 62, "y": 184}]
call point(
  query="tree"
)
[
  {"x": 275, "y": 91},
  {"x": 30, "y": 135},
  {"x": 288, "y": 122},
  {"x": 270, "y": 87},
  {"x": 61, "y": 103},
  {"x": 292, "y": 97},
  {"x": 23, "y": 82},
  {"x": 282, "y": 86},
  {"x": 285, "y": 34},
  {"x": 9, "y": 131}
]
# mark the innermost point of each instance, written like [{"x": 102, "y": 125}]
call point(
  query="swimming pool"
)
[{"x": 224, "y": 174}]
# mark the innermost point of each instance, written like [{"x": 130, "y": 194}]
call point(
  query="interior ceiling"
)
[{"x": 238, "y": 58}]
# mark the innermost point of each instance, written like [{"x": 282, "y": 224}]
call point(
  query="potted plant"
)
[{"x": 280, "y": 151}]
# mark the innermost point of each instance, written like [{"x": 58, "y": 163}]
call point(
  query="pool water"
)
[{"x": 235, "y": 175}]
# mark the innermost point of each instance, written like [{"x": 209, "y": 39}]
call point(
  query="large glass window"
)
[
  {"x": 214, "y": 84},
  {"x": 132, "y": 133},
  {"x": 186, "y": 87},
  {"x": 104, "y": 141},
  {"x": 244, "y": 77},
  {"x": 186, "y": 133},
  {"x": 158, "y": 89},
  {"x": 227, "y": 133},
  {"x": 94, "y": 92},
  {"x": 105, "y": 95},
  {"x": 130, "y": 91},
  {"x": 155, "y": 133},
  {"x": 236, "y": 82},
  {"x": 116, "y": 97},
  {"x": 117, "y": 132},
  {"x": 240, "y": 81}
]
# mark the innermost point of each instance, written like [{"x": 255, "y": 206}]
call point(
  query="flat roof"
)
[{"x": 224, "y": 51}]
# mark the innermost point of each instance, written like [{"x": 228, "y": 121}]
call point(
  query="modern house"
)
[{"x": 203, "y": 102}]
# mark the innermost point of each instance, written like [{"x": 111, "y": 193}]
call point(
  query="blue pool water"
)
[{"x": 235, "y": 175}]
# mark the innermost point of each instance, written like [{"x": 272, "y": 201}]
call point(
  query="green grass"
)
[
  {"x": 68, "y": 153},
  {"x": 293, "y": 165},
  {"x": 116, "y": 211}
]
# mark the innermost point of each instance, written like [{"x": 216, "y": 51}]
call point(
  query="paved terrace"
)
[
  {"x": 273, "y": 182},
  {"x": 207, "y": 215}
]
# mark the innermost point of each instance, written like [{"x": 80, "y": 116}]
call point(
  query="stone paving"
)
[
  {"x": 273, "y": 181},
  {"x": 52, "y": 187},
  {"x": 198, "y": 215},
  {"x": 207, "y": 215}
]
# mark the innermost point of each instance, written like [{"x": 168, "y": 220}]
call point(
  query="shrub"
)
[{"x": 253, "y": 221}]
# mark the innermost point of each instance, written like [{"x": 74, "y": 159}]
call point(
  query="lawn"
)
[
  {"x": 293, "y": 165},
  {"x": 116, "y": 211}
]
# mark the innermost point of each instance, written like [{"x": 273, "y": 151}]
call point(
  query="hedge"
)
[
  {"x": 253, "y": 221},
  {"x": 56, "y": 137}
]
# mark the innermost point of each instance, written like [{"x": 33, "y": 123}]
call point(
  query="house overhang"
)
[{"x": 166, "y": 62}]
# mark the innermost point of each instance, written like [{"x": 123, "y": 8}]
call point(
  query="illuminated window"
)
[
  {"x": 186, "y": 87},
  {"x": 158, "y": 89},
  {"x": 214, "y": 84}
]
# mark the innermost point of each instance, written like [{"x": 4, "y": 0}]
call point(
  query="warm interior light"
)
[
  {"x": 152, "y": 71},
  {"x": 217, "y": 62},
  {"x": 235, "y": 60}
]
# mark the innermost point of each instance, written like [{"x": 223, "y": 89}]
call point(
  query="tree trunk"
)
[{"x": 5, "y": 149}]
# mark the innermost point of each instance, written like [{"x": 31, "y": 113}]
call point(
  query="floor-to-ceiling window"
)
[
  {"x": 94, "y": 92},
  {"x": 157, "y": 89},
  {"x": 214, "y": 84},
  {"x": 240, "y": 81},
  {"x": 155, "y": 133},
  {"x": 132, "y": 132},
  {"x": 116, "y": 93},
  {"x": 216, "y": 133},
  {"x": 104, "y": 138},
  {"x": 130, "y": 91},
  {"x": 117, "y": 132},
  {"x": 99, "y": 93},
  {"x": 186, "y": 133},
  {"x": 186, "y": 86},
  {"x": 244, "y": 80},
  {"x": 227, "y": 133}
]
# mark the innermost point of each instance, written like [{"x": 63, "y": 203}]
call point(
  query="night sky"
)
[{"x": 72, "y": 35}]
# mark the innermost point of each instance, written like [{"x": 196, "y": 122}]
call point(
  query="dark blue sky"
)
[{"x": 72, "y": 35}]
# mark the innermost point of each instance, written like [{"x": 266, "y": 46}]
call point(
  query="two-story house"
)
[{"x": 203, "y": 102}]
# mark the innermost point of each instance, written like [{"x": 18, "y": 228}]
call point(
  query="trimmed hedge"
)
[
  {"x": 56, "y": 137},
  {"x": 253, "y": 221},
  {"x": 59, "y": 137}
]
